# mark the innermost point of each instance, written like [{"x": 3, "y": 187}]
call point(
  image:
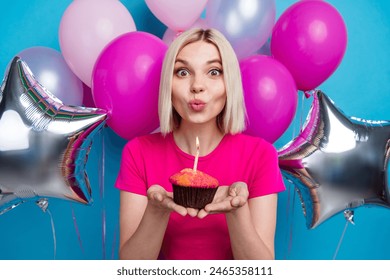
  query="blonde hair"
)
[{"x": 233, "y": 116}]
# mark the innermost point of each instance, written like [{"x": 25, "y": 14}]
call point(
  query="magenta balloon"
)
[
  {"x": 126, "y": 80},
  {"x": 270, "y": 94},
  {"x": 310, "y": 39},
  {"x": 87, "y": 97}
]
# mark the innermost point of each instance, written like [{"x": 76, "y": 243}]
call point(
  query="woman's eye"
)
[
  {"x": 215, "y": 72},
  {"x": 182, "y": 73}
]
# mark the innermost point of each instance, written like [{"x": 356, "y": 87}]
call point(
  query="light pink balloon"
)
[
  {"x": 178, "y": 15},
  {"x": 126, "y": 82},
  {"x": 310, "y": 39},
  {"x": 270, "y": 94},
  {"x": 171, "y": 35},
  {"x": 86, "y": 27}
]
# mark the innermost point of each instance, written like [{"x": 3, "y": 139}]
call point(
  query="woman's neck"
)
[{"x": 209, "y": 138}]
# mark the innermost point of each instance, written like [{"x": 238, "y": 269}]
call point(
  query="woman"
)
[{"x": 200, "y": 96}]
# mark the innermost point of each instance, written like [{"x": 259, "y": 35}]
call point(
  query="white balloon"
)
[{"x": 247, "y": 24}]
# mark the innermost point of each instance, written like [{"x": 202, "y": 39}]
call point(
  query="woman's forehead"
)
[{"x": 197, "y": 51}]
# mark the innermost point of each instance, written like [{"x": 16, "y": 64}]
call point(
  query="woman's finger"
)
[
  {"x": 192, "y": 212},
  {"x": 180, "y": 210},
  {"x": 222, "y": 206},
  {"x": 202, "y": 213},
  {"x": 238, "y": 201}
]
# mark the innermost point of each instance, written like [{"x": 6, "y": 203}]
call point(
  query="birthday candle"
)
[{"x": 197, "y": 154}]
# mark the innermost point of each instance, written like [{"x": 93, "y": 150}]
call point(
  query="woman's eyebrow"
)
[
  {"x": 185, "y": 62},
  {"x": 214, "y": 61},
  {"x": 179, "y": 60}
]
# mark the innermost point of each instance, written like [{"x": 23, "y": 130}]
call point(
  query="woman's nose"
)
[{"x": 197, "y": 85}]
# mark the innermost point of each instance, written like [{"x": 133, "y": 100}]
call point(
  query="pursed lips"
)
[{"x": 196, "y": 104}]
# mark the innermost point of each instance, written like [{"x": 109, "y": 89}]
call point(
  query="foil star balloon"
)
[
  {"x": 44, "y": 144},
  {"x": 337, "y": 162}
]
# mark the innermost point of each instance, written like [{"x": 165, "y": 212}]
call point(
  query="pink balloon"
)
[
  {"x": 86, "y": 27},
  {"x": 270, "y": 94},
  {"x": 310, "y": 39},
  {"x": 126, "y": 81},
  {"x": 171, "y": 35},
  {"x": 178, "y": 15}
]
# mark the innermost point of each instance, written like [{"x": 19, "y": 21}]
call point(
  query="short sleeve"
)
[
  {"x": 268, "y": 178},
  {"x": 131, "y": 177}
]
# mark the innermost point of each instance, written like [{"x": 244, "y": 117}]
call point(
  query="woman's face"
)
[{"x": 198, "y": 86}]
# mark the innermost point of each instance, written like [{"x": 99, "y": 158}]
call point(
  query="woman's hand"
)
[
  {"x": 227, "y": 199},
  {"x": 159, "y": 198}
]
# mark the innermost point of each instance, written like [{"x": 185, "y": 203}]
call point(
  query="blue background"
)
[{"x": 360, "y": 87}]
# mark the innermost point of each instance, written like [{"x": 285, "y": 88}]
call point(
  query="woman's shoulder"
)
[
  {"x": 246, "y": 139},
  {"x": 250, "y": 145}
]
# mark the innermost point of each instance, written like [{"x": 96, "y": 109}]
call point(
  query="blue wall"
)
[{"x": 360, "y": 87}]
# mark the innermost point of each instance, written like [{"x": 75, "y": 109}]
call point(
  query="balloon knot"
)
[
  {"x": 178, "y": 33},
  {"x": 309, "y": 93}
]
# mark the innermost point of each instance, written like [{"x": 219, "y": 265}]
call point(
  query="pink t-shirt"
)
[{"x": 152, "y": 159}]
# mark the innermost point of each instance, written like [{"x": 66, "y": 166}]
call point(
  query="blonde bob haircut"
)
[{"x": 233, "y": 117}]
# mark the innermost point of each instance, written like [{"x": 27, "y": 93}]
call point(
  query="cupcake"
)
[{"x": 193, "y": 189}]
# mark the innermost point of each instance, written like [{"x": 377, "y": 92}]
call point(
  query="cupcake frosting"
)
[{"x": 189, "y": 177}]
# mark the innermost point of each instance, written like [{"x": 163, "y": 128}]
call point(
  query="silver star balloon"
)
[
  {"x": 337, "y": 162},
  {"x": 44, "y": 144}
]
